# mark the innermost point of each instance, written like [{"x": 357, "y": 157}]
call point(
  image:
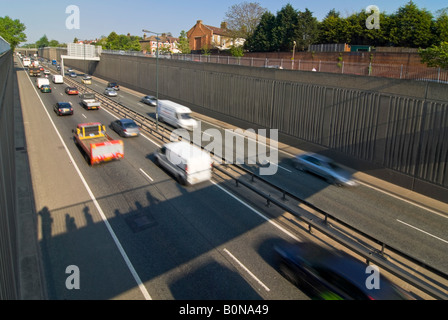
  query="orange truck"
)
[{"x": 96, "y": 144}]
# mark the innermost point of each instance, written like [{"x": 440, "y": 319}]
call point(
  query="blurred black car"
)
[
  {"x": 113, "y": 85},
  {"x": 324, "y": 274},
  {"x": 63, "y": 108}
]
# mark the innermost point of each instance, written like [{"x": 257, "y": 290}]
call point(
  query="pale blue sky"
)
[{"x": 101, "y": 17}]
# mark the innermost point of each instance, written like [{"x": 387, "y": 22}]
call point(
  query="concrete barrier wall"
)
[
  {"x": 396, "y": 129},
  {"x": 8, "y": 222}
]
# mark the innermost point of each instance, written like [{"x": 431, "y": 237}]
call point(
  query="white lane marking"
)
[
  {"x": 146, "y": 175},
  {"x": 258, "y": 213},
  {"x": 84, "y": 115},
  {"x": 405, "y": 200},
  {"x": 429, "y": 234},
  {"x": 95, "y": 202},
  {"x": 247, "y": 270}
]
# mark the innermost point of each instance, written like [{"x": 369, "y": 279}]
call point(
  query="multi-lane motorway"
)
[{"x": 134, "y": 233}]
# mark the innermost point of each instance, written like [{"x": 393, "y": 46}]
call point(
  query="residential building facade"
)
[
  {"x": 167, "y": 44},
  {"x": 203, "y": 36}
]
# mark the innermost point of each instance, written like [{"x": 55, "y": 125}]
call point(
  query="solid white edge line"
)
[
  {"x": 146, "y": 175},
  {"x": 247, "y": 270},
  {"x": 411, "y": 226},
  {"x": 103, "y": 216}
]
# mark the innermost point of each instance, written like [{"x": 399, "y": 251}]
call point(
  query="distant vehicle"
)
[
  {"x": 47, "y": 72},
  {"x": 58, "y": 67},
  {"x": 57, "y": 78},
  {"x": 26, "y": 62},
  {"x": 326, "y": 274},
  {"x": 325, "y": 168},
  {"x": 113, "y": 85},
  {"x": 187, "y": 163},
  {"x": 176, "y": 115},
  {"x": 110, "y": 92},
  {"x": 54, "y": 62},
  {"x": 150, "y": 100},
  {"x": 125, "y": 127},
  {"x": 71, "y": 90},
  {"x": 70, "y": 70},
  {"x": 73, "y": 74},
  {"x": 41, "y": 68},
  {"x": 45, "y": 88},
  {"x": 274, "y": 67},
  {"x": 96, "y": 144},
  {"x": 42, "y": 81},
  {"x": 87, "y": 79},
  {"x": 34, "y": 71},
  {"x": 63, "y": 108},
  {"x": 89, "y": 101}
]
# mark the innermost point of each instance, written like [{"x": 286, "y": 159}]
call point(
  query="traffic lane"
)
[
  {"x": 137, "y": 160},
  {"x": 64, "y": 212},
  {"x": 185, "y": 203},
  {"x": 137, "y": 197},
  {"x": 374, "y": 213}
]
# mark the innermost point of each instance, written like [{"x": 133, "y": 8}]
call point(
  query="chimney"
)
[{"x": 199, "y": 22}]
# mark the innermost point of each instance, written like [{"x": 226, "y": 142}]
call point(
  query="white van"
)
[
  {"x": 187, "y": 163},
  {"x": 57, "y": 78},
  {"x": 176, "y": 115},
  {"x": 42, "y": 81}
]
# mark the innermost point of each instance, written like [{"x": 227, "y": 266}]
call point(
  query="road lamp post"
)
[
  {"x": 293, "y": 52},
  {"x": 157, "y": 77}
]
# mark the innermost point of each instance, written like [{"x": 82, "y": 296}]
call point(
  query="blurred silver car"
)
[
  {"x": 325, "y": 168},
  {"x": 110, "y": 92},
  {"x": 125, "y": 127},
  {"x": 150, "y": 100}
]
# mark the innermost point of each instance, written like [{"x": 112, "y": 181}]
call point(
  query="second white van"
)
[
  {"x": 57, "y": 78},
  {"x": 176, "y": 115},
  {"x": 187, "y": 163},
  {"x": 42, "y": 81}
]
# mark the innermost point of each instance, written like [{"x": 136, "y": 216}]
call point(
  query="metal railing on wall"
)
[{"x": 395, "y": 71}]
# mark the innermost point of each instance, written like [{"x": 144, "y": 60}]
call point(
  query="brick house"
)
[
  {"x": 166, "y": 42},
  {"x": 204, "y": 36}
]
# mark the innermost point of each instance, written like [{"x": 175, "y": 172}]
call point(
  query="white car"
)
[
  {"x": 110, "y": 92},
  {"x": 325, "y": 168},
  {"x": 47, "y": 72}
]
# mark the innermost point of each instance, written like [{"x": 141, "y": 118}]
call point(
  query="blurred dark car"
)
[
  {"x": 113, "y": 85},
  {"x": 325, "y": 168},
  {"x": 326, "y": 274},
  {"x": 150, "y": 100},
  {"x": 73, "y": 74},
  {"x": 125, "y": 127},
  {"x": 45, "y": 88},
  {"x": 63, "y": 108}
]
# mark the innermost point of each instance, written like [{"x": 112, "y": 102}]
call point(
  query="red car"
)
[{"x": 71, "y": 90}]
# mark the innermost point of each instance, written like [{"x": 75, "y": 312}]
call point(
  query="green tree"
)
[
  {"x": 435, "y": 56},
  {"x": 285, "y": 31},
  {"x": 184, "y": 45},
  {"x": 262, "y": 38},
  {"x": 334, "y": 29},
  {"x": 412, "y": 27},
  {"x": 307, "y": 29},
  {"x": 441, "y": 26},
  {"x": 237, "y": 51},
  {"x": 12, "y": 31},
  {"x": 43, "y": 42}
]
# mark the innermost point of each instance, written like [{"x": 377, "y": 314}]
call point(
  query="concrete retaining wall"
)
[{"x": 394, "y": 129}]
